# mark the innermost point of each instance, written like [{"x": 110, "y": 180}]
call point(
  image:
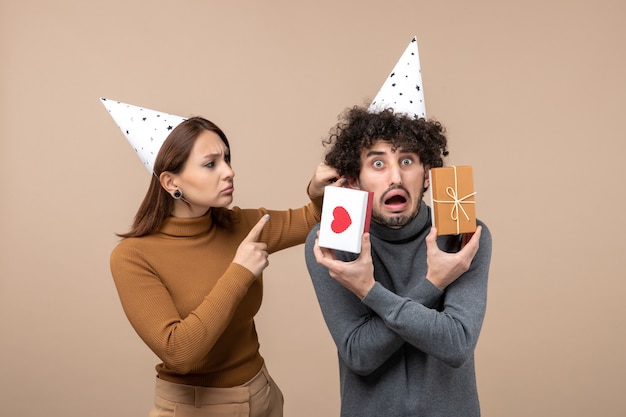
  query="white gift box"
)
[{"x": 345, "y": 217}]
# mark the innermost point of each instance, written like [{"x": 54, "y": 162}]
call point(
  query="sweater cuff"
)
[
  {"x": 316, "y": 203},
  {"x": 425, "y": 293},
  {"x": 381, "y": 300},
  {"x": 384, "y": 302}
]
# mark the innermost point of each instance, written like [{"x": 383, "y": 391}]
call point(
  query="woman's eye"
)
[{"x": 209, "y": 164}]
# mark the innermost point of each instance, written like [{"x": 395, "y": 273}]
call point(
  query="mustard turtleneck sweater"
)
[{"x": 190, "y": 303}]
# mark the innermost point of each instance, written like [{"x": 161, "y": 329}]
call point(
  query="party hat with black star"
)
[
  {"x": 402, "y": 90},
  {"x": 145, "y": 129}
]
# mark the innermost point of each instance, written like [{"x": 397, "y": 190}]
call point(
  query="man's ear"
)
[
  {"x": 168, "y": 181},
  {"x": 353, "y": 183},
  {"x": 426, "y": 177}
]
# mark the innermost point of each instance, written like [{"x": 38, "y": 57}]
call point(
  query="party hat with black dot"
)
[
  {"x": 145, "y": 129},
  {"x": 402, "y": 90}
]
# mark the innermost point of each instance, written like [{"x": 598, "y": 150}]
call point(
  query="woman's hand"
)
[
  {"x": 324, "y": 175},
  {"x": 252, "y": 254}
]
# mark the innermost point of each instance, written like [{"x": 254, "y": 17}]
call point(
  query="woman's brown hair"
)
[{"x": 157, "y": 205}]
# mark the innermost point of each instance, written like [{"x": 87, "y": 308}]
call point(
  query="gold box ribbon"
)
[{"x": 457, "y": 203}]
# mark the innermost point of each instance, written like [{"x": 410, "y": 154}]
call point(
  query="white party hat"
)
[
  {"x": 402, "y": 90},
  {"x": 145, "y": 129}
]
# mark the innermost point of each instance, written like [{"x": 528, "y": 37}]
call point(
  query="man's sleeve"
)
[
  {"x": 444, "y": 325},
  {"x": 363, "y": 340},
  {"x": 449, "y": 333}
]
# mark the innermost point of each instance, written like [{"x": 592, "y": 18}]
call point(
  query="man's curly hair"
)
[{"x": 359, "y": 129}]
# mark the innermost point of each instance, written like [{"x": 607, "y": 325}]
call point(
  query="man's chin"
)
[{"x": 394, "y": 221}]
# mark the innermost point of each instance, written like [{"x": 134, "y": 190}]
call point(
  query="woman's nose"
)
[{"x": 229, "y": 172}]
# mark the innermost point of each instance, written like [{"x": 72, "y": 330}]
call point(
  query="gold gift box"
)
[{"x": 452, "y": 197}]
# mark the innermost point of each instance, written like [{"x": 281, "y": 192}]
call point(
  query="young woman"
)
[{"x": 189, "y": 276}]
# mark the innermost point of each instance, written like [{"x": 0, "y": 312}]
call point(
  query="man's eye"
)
[
  {"x": 407, "y": 161},
  {"x": 377, "y": 164}
]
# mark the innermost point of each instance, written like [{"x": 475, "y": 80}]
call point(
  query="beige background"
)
[{"x": 532, "y": 93}]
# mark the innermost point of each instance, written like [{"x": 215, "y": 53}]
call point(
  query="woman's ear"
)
[{"x": 168, "y": 181}]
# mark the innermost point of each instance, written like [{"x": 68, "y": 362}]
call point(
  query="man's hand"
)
[
  {"x": 444, "y": 268},
  {"x": 357, "y": 276}
]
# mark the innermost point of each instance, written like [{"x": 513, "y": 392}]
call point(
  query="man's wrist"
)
[
  {"x": 365, "y": 291},
  {"x": 437, "y": 283}
]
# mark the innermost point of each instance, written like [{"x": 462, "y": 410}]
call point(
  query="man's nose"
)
[{"x": 394, "y": 175}]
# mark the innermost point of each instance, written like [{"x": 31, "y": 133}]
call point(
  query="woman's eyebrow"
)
[{"x": 213, "y": 155}]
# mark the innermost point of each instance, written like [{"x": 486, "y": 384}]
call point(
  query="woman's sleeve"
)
[
  {"x": 287, "y": 228},
  {"x": 179, "y": 342}
]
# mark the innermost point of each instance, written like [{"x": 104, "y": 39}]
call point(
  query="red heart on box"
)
[{"x": 341, "y": 220}]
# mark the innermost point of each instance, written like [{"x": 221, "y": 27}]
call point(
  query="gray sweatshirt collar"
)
[{"x": 413, "y": 228}]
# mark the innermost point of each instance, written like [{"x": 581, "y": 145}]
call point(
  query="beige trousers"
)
[{"x": 259, "y": 397}]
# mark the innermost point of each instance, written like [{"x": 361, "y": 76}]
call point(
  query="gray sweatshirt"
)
[{"x": 407, "y": 348}]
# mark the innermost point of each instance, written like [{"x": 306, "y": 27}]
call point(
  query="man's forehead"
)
[{"x": 383, "y": 148}]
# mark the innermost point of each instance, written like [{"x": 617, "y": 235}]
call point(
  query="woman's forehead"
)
[{"x": 209, "y": 142}]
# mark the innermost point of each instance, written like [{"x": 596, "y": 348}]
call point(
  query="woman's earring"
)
[{"x": 177, "y": 194}]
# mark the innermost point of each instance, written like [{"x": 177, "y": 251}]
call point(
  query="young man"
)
[{"x": 407, "y": 311}]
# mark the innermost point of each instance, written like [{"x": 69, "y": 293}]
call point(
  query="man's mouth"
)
[{"x": 396, "y": 200}]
